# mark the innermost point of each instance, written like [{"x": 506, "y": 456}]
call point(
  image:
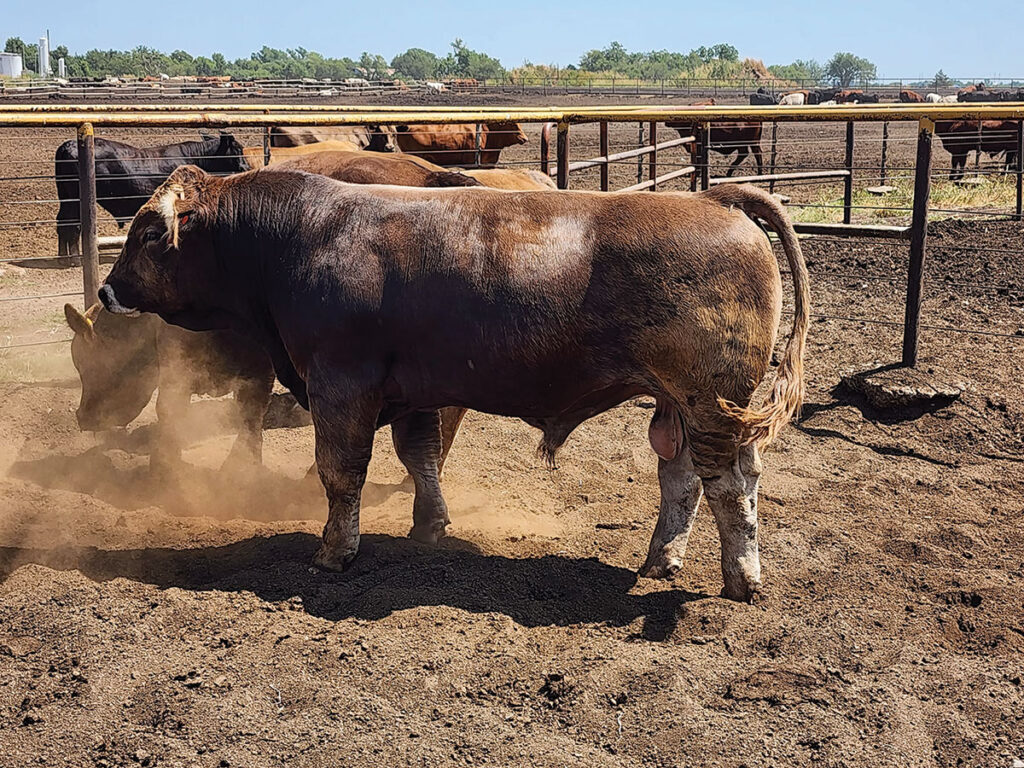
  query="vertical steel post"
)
[
  {"x": 266, "y": 146},
  {"x": 1020, "y": 169},
  {"x": 704, "y": 160},
  {"x": 775, "y": 154},
  {"x": 848, "y": 181},
  {"x": 563, "y": 155},
  {"x": 918, "y": 236},
  {"x": 885, "y": 151},
  {"x": 545, "y": 147},
  {"x": 639, "y": 158},
  {"x": 478, "y": 145},
  {"x": 87, "y": 212},
  {"x": 603, "y": 135},
  {"x": 652, "y": 167}
]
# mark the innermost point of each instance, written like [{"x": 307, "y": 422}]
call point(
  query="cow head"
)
[
  {"x": 116, "y": 361},
  {"x": 227, "y": 157},
  {"x": 167, "y": 265},
  {"x": 501, "y": 135}
]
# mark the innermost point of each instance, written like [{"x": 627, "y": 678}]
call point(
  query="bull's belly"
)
[{"x": 531, "y": 393}]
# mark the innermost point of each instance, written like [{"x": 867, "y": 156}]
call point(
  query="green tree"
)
[
  {"x": 942, "y": 80},
  {"x": 801, "y": 70},
  {"x": 846, "y": 69},
  {"x": 416, "y": 63},
  {"x": 220, "y": 65},
  {"x": 374, "y": 66}
]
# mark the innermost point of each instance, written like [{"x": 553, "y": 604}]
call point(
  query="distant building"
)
[{"x": 10, "y": 65}]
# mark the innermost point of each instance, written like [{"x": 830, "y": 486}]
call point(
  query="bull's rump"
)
[{"x": 536, "y": 303}]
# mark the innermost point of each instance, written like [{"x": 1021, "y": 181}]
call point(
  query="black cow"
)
[
  {"x": 762, "y": 98},
  {"x": 126, "y": 176}
]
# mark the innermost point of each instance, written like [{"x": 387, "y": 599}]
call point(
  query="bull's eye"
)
[{"x": 151, "y": 235}]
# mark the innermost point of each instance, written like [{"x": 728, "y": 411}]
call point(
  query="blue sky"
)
[{"x": 904, "y": 39}]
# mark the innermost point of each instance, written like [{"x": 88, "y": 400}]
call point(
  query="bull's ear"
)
[{"x": 80, "y": 324}]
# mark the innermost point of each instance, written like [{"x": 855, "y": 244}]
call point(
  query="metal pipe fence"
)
[{"x": 663, "y": 165}]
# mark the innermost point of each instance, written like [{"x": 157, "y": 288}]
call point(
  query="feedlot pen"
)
[{"x": 178, "y": 623}]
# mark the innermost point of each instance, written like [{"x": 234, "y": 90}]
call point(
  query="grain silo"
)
[{"x": 10, "y": 65}]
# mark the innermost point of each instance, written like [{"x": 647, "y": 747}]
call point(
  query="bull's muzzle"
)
[{"x": 110, "y": 302}]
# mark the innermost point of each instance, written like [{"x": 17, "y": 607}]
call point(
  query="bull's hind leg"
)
[
  {"x": 732, "y": 496},
  {"x": 343, "y": 422},
  {"x": 451, "y": 420},
  {"x": 417, "y": 439},
  {"x": 680, "y": 496}
]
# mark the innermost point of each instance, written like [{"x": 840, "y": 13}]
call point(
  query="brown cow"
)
[
  {"x": 254, "y": 156},
  {"x": 961, "y": 137},
  {"x": 456, "y": 144},
  {"x": 122, "y": 360},
  {"x": 375, "y": 138},
  {"x": 908, "y": 96},
  {"x": 848, "y": 96},
  {"x": 742, "y": 138},
  {"x": 392, "y": 301},
  {"x": 521, "y": 179}
]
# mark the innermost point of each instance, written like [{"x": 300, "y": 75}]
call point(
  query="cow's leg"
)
[
  {"x": 732, "y": 496},
  {"x": 680, "y": 496},
  {"x": 451, "y": 420},
  {"x": 758, "y": 158},
  {"x": 172, "y": 401},
  {"x": 741, "y": 155},
  {"x": 253, "y": 398},
  {"x": 68, "y": 230},
  {"x": 417, "y": 439},
  {"x": 344, "y": 420}
]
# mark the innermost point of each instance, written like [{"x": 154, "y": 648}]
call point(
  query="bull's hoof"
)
[
  {"x": 329, "y": 560},
  {"x": 742, "y": 591},
  {"x": 427, "y": 534},
  {"x": 660, "y": 566}
]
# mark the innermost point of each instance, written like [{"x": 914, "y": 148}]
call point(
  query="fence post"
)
[
  {"x": 1020, "y": 168},
  {"x": 848, "y": 182},
  {"x": 477, "y": 145},
  {"x": 603, "y": 129},
  {"x": 545, "y": 148},
  {"x": 918, "y": 235},
  {"x": 775, "y": 151},
  {"x": 885, "y": 150},
  {"x": 639, "y": 158},
  {"x": 652, "y": 168},
  {"x": 563, "y": 155},
  {"x": 266, "y": 146},
  {"x": 705, "y": 159},
  {"x": 87, "y": 212}
]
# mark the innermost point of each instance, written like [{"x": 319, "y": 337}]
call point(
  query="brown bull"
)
[
  {"x": 374, "y": 138},
  {"x": 390, "y": 302}
]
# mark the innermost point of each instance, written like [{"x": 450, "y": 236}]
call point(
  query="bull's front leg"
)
[
  {"x": 417, "y": 439},
  {"x": 681, "y": 491},
  {"x": 344, "y": 420}
]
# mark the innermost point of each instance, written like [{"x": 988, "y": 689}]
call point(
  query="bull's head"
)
[
  {"x": 116, "y": 361},
  {"x": 167, "y": 266}
]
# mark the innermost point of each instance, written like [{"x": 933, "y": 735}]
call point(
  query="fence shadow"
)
[{"x": 391, "y": 574}]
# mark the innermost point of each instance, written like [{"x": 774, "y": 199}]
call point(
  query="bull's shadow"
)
[{"x": 391, "y": 574}]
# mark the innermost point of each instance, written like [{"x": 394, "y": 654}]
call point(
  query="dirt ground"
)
[{"x": 180, "y": 623}]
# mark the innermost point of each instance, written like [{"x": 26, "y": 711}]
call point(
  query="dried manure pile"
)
[{"x": 175, "y": 620}]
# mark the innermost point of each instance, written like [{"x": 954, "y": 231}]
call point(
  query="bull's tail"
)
[{"x": 761, "y": 425}]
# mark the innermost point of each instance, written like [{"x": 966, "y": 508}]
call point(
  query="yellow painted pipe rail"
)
[{"x": 226, "y": 117}]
